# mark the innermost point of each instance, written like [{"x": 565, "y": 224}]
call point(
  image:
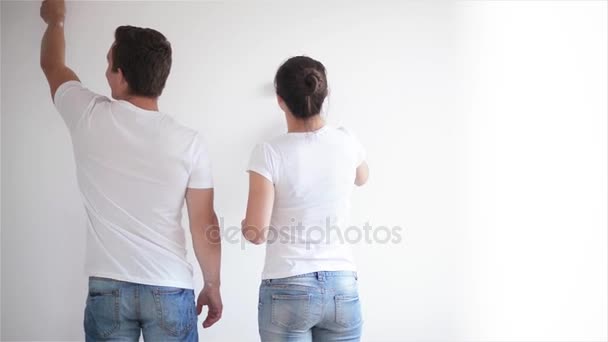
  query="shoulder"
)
[
  {"x": 347, "y": 133},
  {"x": 77, "y": 88},
  {"x": 181, "y": 136},
  {"x": 265, "y": 148},
  {"x": 274, "y": 144},
  {"x": 73, "y": 95},
  {"x": 177, "y": 129}
]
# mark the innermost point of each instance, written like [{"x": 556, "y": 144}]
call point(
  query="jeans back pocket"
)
[
  {"x": 176, "y": 310},
  {"x": 348, "y": 310},
  {"x": 291, "y": 311},
  {"x": 102, "y": 313}
]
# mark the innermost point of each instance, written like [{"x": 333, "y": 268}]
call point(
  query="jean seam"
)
[{"x": 137, "y": 304}]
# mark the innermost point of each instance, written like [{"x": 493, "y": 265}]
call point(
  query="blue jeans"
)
[
  {"x": 119, "y": 311},
  {"x": 319, "y": 306}
]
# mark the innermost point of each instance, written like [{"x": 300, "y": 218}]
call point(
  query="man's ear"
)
[{"x": 123, "y": 80}]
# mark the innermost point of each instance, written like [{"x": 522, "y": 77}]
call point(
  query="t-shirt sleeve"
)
[
  {"x": 200, "y": 175},
  {"x": 262, "y": 162},
  {"x": 360, "y": 153},
  {"x": 73, "y": 102}
]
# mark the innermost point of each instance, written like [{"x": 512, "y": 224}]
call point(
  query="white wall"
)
[
  {"x": 537, "y": 167},
  {"x": 485, "y": 124}
]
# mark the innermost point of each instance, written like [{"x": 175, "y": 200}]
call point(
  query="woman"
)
[{"x": 299, "y": 199}]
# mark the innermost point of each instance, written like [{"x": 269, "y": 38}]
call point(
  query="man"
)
[{"x": 135, "y": 165}]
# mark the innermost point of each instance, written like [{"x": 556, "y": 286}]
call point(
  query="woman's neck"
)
[{"x": 295, "y": 125}]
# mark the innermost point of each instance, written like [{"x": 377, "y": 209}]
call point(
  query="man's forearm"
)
[
  {"x": 52, "y": 50},
  {"x": 207, "y": 245}
]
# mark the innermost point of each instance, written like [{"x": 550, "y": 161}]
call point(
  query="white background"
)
[{"x": 486, "y": 129}]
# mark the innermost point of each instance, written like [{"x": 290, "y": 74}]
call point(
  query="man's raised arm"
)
[{"x": 52, "y": 50}]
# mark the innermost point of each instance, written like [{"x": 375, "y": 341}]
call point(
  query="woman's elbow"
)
[
  {"x": 362, "y": 174},
  {"x": 252, "y": 234},
  {"x": 257, "y": 241},
  {"x": 360, "y": 181}
]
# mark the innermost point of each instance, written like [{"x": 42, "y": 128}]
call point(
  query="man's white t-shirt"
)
[
  {"x": 313, "y": 175},
  {"x": 133, "y": 168}
]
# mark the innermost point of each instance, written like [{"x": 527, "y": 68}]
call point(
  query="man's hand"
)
[
  {"x": 211, "y": 297},
  {"x": 52, "y": 11}
]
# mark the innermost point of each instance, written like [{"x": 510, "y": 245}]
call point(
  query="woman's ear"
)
[{"x": 281, "y": 103}]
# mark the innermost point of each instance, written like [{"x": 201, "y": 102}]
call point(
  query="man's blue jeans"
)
[{"x": 119, "y": 311}]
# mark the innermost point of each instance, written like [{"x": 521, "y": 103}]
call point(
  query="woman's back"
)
[
  {"x": 313, "y": 174},
  {"x": 300, "y": 185}
]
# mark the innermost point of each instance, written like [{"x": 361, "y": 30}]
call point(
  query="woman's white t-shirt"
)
[{"x": 313, "y": 175}]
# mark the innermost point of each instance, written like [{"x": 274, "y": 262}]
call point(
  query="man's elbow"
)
[
  {"x": 56, "y": 71},
  {"x": 48, "y": 66}
]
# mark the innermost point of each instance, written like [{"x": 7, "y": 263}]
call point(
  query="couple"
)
[{"x": 136, "y": 166}]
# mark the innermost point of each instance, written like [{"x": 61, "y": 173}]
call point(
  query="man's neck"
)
[{"x": 146, "y": 103}]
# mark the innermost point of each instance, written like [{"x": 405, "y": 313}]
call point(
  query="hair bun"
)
[
  {"x": 313, "y": 81},
  {"x": 302, "y": 84}
]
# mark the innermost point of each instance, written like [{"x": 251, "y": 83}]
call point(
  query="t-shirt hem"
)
[
  {"x": 143, "y": 281},
  {"x": 261, "y": 173},
  {"x": 195, "y": 185}
]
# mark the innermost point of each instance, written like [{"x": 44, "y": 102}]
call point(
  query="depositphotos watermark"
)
[{"x": 309, "y": 235}]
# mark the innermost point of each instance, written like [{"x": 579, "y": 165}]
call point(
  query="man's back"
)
[{"x": 133, "y": 168}]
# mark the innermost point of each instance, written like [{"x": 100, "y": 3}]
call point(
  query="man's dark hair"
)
[{"x": 144, "y": 56}]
